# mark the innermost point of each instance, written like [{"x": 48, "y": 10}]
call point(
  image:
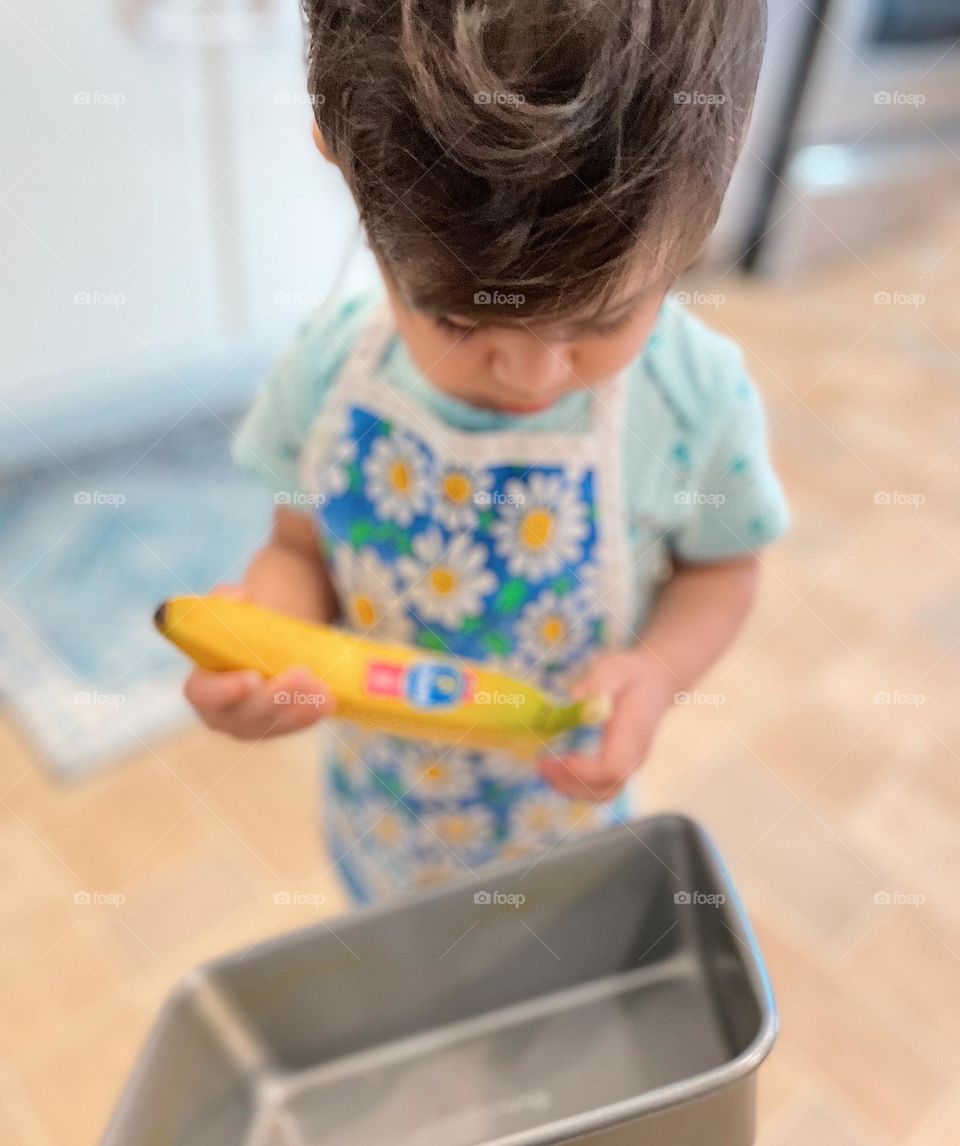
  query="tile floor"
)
[{"x": 829, "y": 774}]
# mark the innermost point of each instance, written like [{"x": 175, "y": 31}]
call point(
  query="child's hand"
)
[
  {"x": 250, "y": 707},
  {"x": 641, "y": 691}
]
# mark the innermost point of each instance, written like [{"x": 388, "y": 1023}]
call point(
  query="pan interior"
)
[{"x": 521, "y": 1067}]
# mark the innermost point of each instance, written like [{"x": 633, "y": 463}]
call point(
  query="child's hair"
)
[{"x": 541, "y": 148}]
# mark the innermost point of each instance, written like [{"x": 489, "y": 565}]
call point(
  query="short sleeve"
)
[
  {"x": 271, "y": 436},
  {"x": 731, "y": 502}
]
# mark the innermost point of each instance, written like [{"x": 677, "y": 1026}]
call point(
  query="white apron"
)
[{"x": 508, "y": 547}]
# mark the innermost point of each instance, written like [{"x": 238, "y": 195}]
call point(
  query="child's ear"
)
[{"x": 321, "y": 143}]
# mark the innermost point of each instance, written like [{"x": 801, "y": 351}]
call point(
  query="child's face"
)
[{"x": 520, "y": 368}]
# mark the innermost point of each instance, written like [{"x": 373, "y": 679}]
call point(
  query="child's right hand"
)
[{"x": 246, "y": 705}]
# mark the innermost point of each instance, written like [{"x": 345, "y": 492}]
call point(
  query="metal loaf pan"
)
[{"x": 609, "y": 994}]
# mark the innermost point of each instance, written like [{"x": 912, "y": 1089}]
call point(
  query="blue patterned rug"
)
[{"x": 86, "y": 555}]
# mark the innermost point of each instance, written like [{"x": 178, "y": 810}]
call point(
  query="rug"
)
[{"x": 88, "y": 549}]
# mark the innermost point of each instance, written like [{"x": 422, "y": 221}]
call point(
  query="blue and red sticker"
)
[{"x": 422, "y": 684}]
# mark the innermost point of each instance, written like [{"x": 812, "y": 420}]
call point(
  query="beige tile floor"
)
[{"x": 821, "y": 795}]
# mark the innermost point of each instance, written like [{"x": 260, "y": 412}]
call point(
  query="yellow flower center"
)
[
  {"x": 539, "y": 818},
  {"x": 434, "y": 772},
  {"x": 456, "y": 830},
  {"x": 553, "y": 630},
  {"x": 537, "y": 528},
  {"x": 443, "y": 581},
  {"x": 456, "y": 487},
  {"x": 387, "y": 830},
  {"x": 365, "y": 610},
  {"x": 400, "y": 476}
]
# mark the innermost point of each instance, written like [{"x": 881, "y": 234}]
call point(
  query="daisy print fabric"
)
[{"x": 492, "y": 562}]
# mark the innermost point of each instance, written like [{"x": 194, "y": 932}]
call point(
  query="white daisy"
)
[
  {"x": 438, "y": 870},
  {"x": 365, "y": 586},
  {"x": 554, "y": 629},
  {"x": 463, "y": 831},
  {"x": 390, "y": 827},
  {"x": 396, "y": 473},
  {"x": 438, "y": 775},
  {"x": 459, "y": 493},
  {"x": 541, "y": 525},
  {"x": 504, "y": 769},
  {"x": 534, "y": 818},
  {"x": 446, "y": 583}
]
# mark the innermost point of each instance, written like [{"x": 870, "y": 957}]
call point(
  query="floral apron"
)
[{"x": 507, "y": 547}]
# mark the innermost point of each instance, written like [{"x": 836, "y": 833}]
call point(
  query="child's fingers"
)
[
  {"x": 220, "y": 690},
  {"x": 225, "y": 589},
  {"x": 580, "y": 777},
  {"x": 246, "y": 705}
]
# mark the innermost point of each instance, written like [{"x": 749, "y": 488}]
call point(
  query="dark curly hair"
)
[{"x": 542, "y": 147}]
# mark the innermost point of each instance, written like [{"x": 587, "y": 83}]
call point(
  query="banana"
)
[{"x": 394, "y": 688}]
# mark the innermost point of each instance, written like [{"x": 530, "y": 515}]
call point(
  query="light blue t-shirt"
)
[{"x": 697, "y": 469}]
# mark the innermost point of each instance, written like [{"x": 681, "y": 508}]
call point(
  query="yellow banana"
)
[{"x": 395, "y": 688}]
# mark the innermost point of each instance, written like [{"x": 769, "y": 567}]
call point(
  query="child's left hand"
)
[{"x": 641, "y": 690}]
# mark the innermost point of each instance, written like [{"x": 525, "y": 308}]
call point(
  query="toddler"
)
[{"x": 522, "y": 450}]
